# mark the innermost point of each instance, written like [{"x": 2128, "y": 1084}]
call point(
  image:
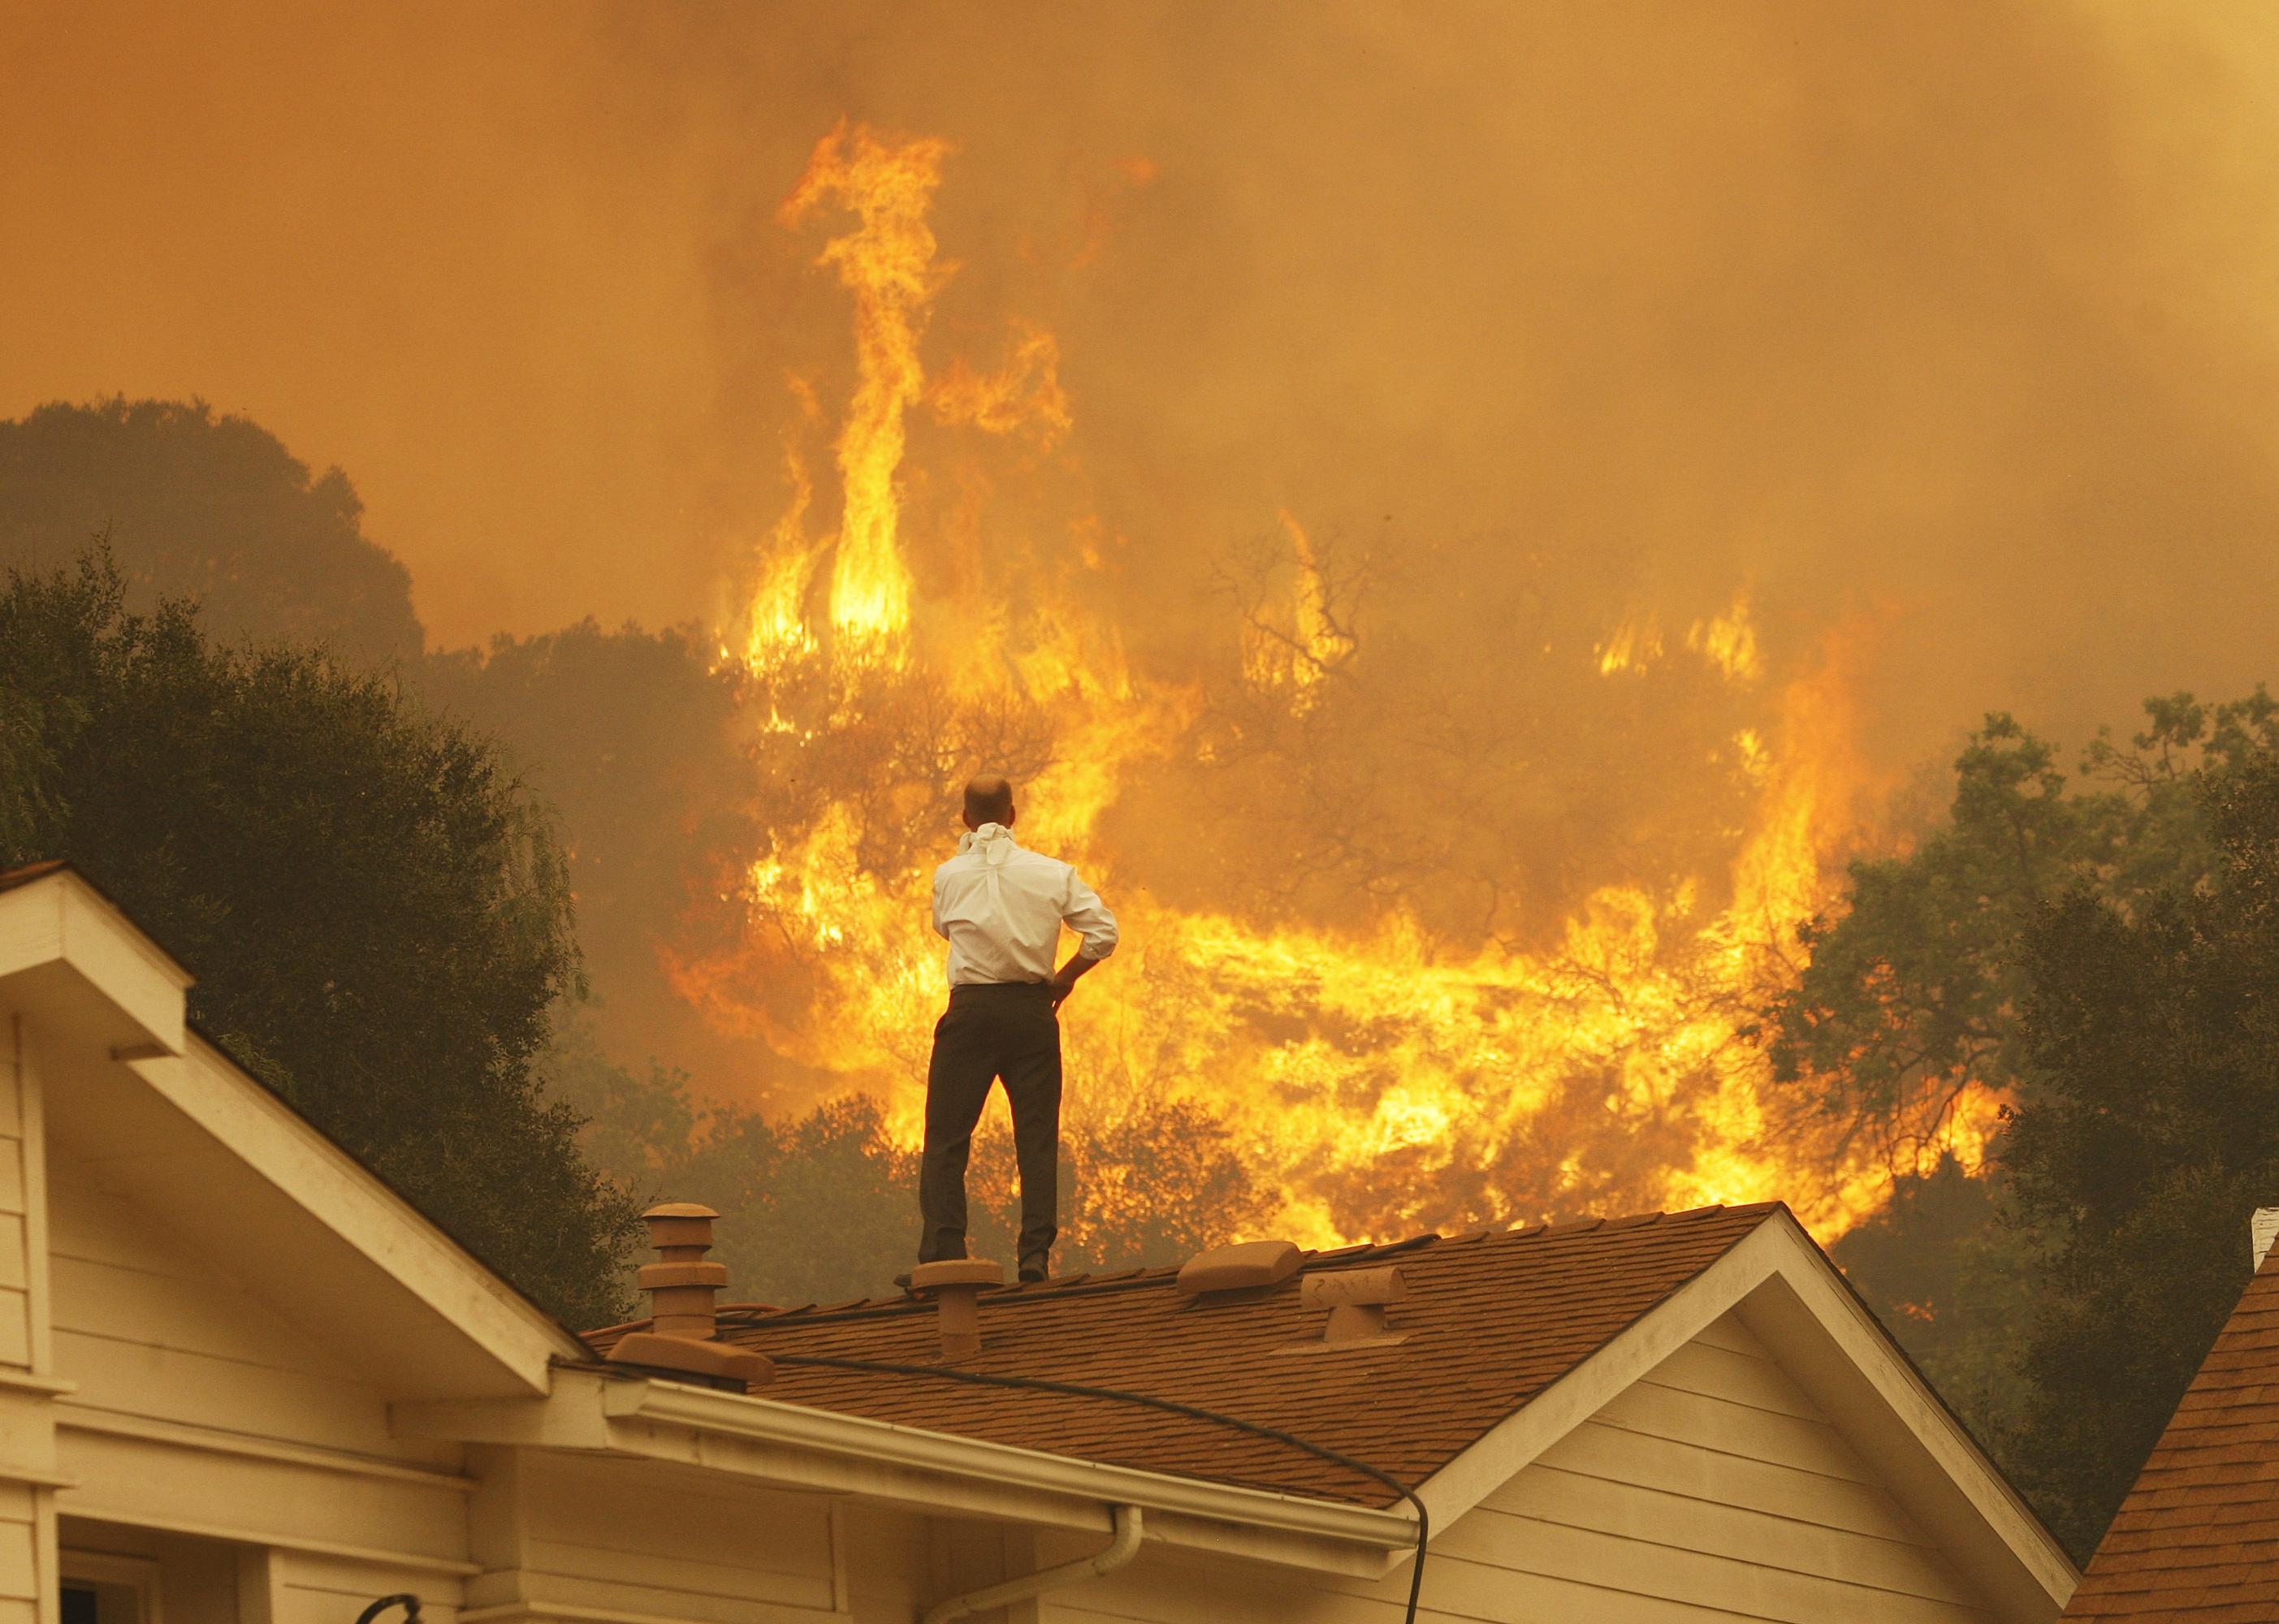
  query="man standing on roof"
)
[{"x": 1001, "y": 907}]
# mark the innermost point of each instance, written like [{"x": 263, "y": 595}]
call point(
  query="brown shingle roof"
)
[
  {"x": 1493, "y": 1320},
  {"x": 2198, "y": 1536}
]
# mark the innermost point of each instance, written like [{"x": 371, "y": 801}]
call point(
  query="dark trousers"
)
[{"x": 1007, "y": 1030}]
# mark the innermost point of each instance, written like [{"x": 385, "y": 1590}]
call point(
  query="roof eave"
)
[
  {"x": 890, "y": 1463},
  {"x": 166, "y": 1120}
]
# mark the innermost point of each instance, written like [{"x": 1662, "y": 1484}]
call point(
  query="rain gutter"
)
[
  {"x": 766, "y": 1420},
  {"x": 1129, "y": 1521}
]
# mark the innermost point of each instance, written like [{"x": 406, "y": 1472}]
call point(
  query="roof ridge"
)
[{"x": 752, "y": 1316}]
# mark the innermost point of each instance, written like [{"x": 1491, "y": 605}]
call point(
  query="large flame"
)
[
  {"x": 1379, "y": 1078},
  {"x": 887, "y": 263}
]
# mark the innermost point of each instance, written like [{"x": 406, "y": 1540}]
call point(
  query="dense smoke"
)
[
  {"x": 1957, "y": 309},
  {"x": 1558, "y": 332}
]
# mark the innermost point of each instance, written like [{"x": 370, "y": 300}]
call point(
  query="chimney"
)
[
  {"x": 681, "y": 1288},
  {"x": 1356, "y": 1300},
  {"x": 2262, "y": 1228},
  {"x": 955, "y": 1284}
]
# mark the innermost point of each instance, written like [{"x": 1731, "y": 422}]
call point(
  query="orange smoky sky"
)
[{"x": 1961, "y": 313}]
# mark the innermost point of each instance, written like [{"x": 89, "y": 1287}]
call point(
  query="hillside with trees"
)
[
  {"x": 209, "y": 508},
  {"x": 382, "y": 861}
]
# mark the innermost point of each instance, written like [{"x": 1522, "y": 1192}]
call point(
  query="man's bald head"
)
[{"x": 988, "y": 799}]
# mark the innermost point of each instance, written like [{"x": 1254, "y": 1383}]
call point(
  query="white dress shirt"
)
[{"x": 1001, "y": 907}]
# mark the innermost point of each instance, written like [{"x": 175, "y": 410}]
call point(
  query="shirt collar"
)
[{"x": 994, "y": 842}]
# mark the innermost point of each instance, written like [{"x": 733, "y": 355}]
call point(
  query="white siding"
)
[
  {"x": 146, "y": 1330},
  {"x": 885, "y": 1565},
  {"x": 1711, "y": 1491},
  {"x": 19, "y": 1559},
  {"x": 199, "y": 1412},
  {"x": 655, "y": 1540},
  {"x": 308, "y": 1588},
  {"x": 560, "y": 1535}
]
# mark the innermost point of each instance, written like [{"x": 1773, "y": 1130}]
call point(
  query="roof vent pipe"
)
[
  {"x": 1356, "y": 1300},
  {"x": 955, "y": 1284},
  {"x": 681, "y": 1285},
  {"x": 681, "y": 1288}
]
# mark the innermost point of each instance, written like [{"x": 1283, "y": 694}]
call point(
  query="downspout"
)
[{"x": 1117, "y": 1552}]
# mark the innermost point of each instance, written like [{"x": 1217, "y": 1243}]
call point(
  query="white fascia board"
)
[
  {"x": 1831, "y": 1345},
  {"x": 1791, "y": 1296},
  {"x": 66, "y": 947},
  {"x": 799, "y": 1447},
  {"x": 453, "y": 1298},
  {"x": 165, "y": 1119}
]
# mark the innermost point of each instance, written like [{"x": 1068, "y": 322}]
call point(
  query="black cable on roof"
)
[{"x": 1172, "y": 1406}]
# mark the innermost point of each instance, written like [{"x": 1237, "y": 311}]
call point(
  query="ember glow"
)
[{"x": 1384, "y": 1077}]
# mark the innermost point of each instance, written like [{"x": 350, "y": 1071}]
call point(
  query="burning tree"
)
[{"x": 1341, "y": 953}]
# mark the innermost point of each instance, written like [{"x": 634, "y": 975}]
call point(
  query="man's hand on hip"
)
[{"x": 1064, "y": 979}]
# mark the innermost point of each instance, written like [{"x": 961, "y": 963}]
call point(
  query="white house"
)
[{"x": 241, "y": 1380}]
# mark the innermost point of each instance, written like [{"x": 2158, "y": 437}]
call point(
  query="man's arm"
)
[
  {"x": 1088, "y": 916},
  {"x": 1064, "y": 979}
]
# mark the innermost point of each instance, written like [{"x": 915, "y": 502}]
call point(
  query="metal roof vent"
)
[
  {"x": 1247, "y": 1265},
  {"x": 682, "y": 1287},
  {"x": 1356, "y": 1300},
  {"x": 955, "y": 1284}
]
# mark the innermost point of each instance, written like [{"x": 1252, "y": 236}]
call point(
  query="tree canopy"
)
[
  {"x": 377, "y": 917},
  {"x": 638, "y": 744},
  {"x": 2147, "y": 1136},
  {"x": 2082, "y": 941},
  {"x": 212, "y": 509},
  {"x": 1912, "y": 988}
]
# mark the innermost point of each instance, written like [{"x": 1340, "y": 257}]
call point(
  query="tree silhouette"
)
[{"x": 212, "y": 509}]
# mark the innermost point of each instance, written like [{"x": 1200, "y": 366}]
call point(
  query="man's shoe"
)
[{"x": 1033, "y": 1270}]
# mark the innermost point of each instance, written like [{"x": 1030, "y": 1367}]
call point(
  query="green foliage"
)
[
  {"x": 2145, "y": 1138},
  {"x": 640, "y": 745},
  {"x": 378, "y": 919},
  {"x": 1913, "y": 990},
  {"x": 211, "y": 509},
  {"x": 1957, "y": 1285},
  {"x": 1927, "y": 980},
  {"x": 824, "y": 1206}
]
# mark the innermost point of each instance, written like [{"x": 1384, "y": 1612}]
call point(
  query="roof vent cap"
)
[
  {"x": 681, "y": 1287},
  {"x": 1356, "y": 1300},
  {"x": 1244, "y": 1266},
  {"x": 681, "y": 1284},
  {"x": 955, "y": 1284}
]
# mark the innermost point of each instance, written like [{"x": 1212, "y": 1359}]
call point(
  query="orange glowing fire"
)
[{"x": 1379, "y": 1078}]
